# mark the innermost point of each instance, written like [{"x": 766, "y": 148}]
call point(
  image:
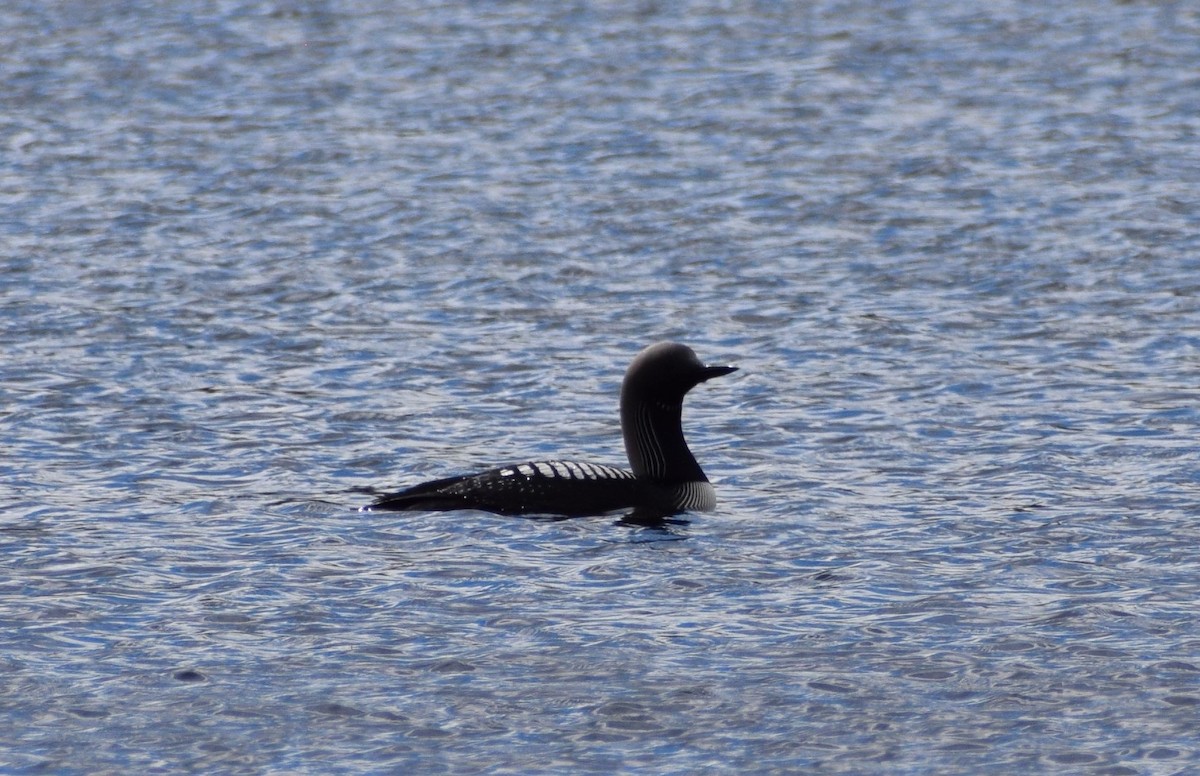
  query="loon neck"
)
[{"x": 653, "y": 432}]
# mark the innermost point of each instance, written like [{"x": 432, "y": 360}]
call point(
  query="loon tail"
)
[{"x": 433, "y": 496}]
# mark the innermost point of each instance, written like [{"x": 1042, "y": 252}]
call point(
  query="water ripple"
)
[{"x": 258, "y": 262}]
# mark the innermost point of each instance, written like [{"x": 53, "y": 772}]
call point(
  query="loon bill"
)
[{"x": 663, "y": 477}]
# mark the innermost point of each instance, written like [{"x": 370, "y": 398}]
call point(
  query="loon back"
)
[
  {"x": 570, "y": 488},
  {"x": 665, "y": 477}
]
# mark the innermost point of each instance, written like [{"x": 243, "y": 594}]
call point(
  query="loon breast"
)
[{"x": 664, "y": 476}]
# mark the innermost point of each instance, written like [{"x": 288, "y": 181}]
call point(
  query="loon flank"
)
[{"x": 664, "y": 477}]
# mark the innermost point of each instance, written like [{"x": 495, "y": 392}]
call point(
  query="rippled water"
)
[{"x": 258, "y": 259}]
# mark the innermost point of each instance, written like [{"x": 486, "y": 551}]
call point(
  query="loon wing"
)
[{"x": 570, "y": 488}]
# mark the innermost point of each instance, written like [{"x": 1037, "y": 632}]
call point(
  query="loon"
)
[{"x": 663, "y": 478}]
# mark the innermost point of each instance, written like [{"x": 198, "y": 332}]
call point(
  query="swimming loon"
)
[{"x": 664, "y": 478}]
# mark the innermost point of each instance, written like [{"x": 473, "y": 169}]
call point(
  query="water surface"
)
[{"x": 256, "y": 260}]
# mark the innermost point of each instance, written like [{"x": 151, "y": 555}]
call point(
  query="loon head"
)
[{"x": 651, "y": 409}]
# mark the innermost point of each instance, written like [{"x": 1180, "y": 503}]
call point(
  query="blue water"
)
[{"x": 256, "y": 259}]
